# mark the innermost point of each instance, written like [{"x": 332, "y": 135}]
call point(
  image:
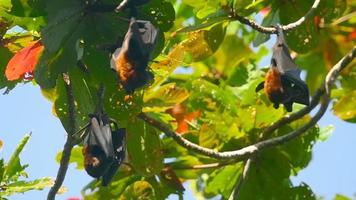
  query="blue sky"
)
[{"x": 25, "y": 110}]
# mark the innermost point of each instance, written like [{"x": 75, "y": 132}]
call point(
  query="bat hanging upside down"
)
[
  {"x": 282, "y": 83},
  {"x": 104, "y": 148},
  {"x": 130, "y": 61}
]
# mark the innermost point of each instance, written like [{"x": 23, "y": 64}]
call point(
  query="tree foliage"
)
[{"x": 206, "y": 67}]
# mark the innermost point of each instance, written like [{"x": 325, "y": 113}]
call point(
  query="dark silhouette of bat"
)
[
  {"x": 282, "y": 83},
  {"x": 104, "y": 148},
  {"x": 130, "y": 61}
]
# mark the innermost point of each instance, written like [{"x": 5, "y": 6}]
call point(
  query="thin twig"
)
[
  {"x": 253, "y": 24},
  {"x": 202, "y": 166},
  {"x": 252, "y": 149},
  {"x": 68, "y": 146},
  {"x": 242, "y": 179}
]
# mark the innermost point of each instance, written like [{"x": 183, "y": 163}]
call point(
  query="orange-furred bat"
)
[
  {"x": 283, "y": 84},
  {"x": 104, "y": 148},
  {"x": 130, "y": 61}
]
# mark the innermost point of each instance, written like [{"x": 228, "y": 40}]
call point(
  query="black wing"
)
[
  {"x": 98, "y": 147},
  {"x": 118, "y": 138},
  {"x": 296, "y": 89},
  {"x": 101, "y": 136},
  {"x": 140, "y": 41}
]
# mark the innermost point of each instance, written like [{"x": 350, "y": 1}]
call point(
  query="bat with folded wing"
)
[
  {"x": 130, "y": 61},
  {"x": 283, "y": 84},
  {"x": 104, "y": 148}
]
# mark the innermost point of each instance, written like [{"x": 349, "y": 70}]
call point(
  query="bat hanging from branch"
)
[
  {"x": 283, "y": 84},
  {"x": 130, "y": 61},
  {"x": 103, "y": 146}
]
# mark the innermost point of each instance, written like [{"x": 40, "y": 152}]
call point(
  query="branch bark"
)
[
  {"x": 246, "y": 152},
  {"x": 270, "y": 30},
  {"x": 68, "y": 146},
  {"x": 235, "y": 193}
]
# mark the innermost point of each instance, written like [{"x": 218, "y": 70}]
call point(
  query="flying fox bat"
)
[
  {"x": 130, "y": 61},
  {"x": 283, "y": 84},
  {"x": 104, "y": 148}
]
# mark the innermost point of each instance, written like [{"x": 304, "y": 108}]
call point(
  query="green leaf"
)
[
  {"x": 330, "y": 10},
  {"x": 59, "y": 38},
  {"x": 144, "y": 148},
  {"x": 139, "y": 190},
  {"x": 2, "y": 169},
  {"x": 28, "y": 8},
  {"x": 271, "y": 19},
  {"x": 204, "y": 25},
  {"x": 341, "y": 197},
  {"x": 206, "y": 95},
  {"x": 223, "y": 181},
  {"x": 326, "y": 132},
  {"x": 120, "y": 182},
  {"x": 165, "y": 95},
  {"x": 246, "y": 7},
  {"x": 302, "y": 191},
  {"x": 344, "y": 109},
  {"x": 84, "y": 96},
  {"x": 160, "y": 13},
  {"x": 75, "y": 157},
  {"x": 303, "y": 38},
  {"x": 315, "y": 69},
  {"x": 14, "y": 166},
  {"x": 5, "y": 57},
  {"x": 23, "y": 186}
]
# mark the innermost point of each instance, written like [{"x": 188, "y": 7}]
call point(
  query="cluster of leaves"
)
[
  {"x": 204, "y": 72},
  {"x": 12, "y": 175}
]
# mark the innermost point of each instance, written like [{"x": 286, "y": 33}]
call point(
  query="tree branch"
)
[
  {"x": 253, "y": 24},
  {"x": 252, "y": 149},
  {"x": 202, "y": 166},
  {"x": 235, "y": 193},
  {"x": 68, "y": 146}
]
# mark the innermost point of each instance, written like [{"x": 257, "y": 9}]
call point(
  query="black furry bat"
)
[
  {"x": 104, "y": 148},
  {"x": 130, "y": 61},
  {"x": 282, "y": 83}
]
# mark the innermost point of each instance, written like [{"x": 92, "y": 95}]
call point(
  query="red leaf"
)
[
  {"x": 264, "y": 11},
  {"x": 74, "y": 198},
  {"x": 179, "y": 112},
  {"x": 24, "y": 62}
]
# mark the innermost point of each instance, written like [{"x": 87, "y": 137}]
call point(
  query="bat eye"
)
[{"x": 280, "y": 44}]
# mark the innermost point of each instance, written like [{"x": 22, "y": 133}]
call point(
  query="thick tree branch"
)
[
  {"x": 68, "y": 146},
  {"x": 252, "y": 149},
  {"x": 253, "y": 24}
]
